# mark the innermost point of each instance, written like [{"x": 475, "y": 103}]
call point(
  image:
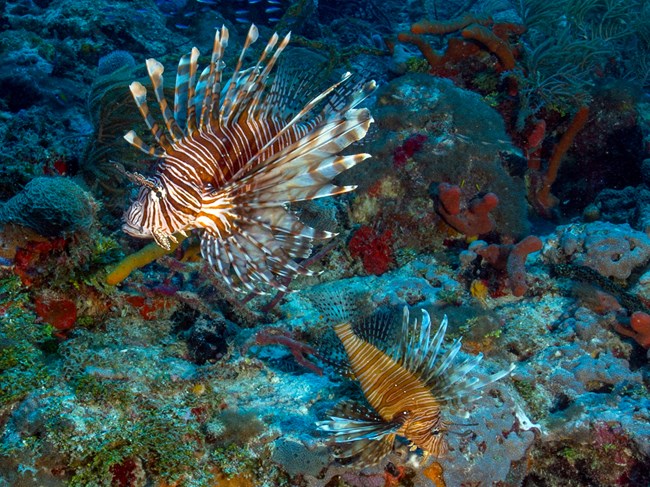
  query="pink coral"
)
[
  {"x": 512, "y": 259},
  {"x": 471, "y": 221}
]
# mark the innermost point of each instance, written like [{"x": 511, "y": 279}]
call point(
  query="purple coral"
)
[{"x": 609, "y": 249}]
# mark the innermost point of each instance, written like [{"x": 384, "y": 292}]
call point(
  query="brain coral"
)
[
  {"x": 51, "y": 206},
  {"x": 611, "y": 250},
  {"x": 113, "y": 61}
]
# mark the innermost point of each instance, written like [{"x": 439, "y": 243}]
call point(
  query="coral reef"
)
[{"x": 524, "y": 124}]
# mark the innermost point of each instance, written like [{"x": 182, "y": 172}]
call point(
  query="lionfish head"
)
[
  {"x": 429, "y": 433},
  {"x": 140, "y": 221},
  {"x": 134, "y": 218}
]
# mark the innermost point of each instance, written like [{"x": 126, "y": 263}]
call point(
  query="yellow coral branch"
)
[{"x": 141, "y": 258}]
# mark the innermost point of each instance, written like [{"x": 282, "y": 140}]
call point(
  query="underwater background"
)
[{"x": 508, "y": 189}]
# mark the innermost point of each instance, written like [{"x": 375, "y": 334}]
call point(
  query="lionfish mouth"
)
[{"x": 135, "y": 231}]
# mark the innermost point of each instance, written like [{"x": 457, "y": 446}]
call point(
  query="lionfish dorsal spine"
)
[
  {"x": 212, "y": 89},
  {"x": 132, "y": 138},
  {"x": 156, "y": 70},
  {"x": 291, "y": 123},
  {"x": 256, "y": 105},
  {"x": 181, "y": 89},
  {"x": 234, "y": 90},
  {"x": 190, "y": 117},
  {"x": 139, "y": 93}
]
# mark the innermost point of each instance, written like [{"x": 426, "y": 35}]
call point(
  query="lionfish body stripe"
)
[
  {"x": 407, "y": 387},
  {"x": 234, "y": 154}
]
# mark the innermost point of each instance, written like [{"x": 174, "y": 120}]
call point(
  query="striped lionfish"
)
[
  {"x": 407, "y": 389},
  {"x": 234, "y": 155}
]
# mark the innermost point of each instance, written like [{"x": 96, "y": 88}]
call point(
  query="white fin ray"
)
[
  {"x": 155, "y": 70},
  {"x": 444, "y": 374}
]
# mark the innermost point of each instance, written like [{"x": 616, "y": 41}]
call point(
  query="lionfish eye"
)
[
  {"x": 158, "y": 192},
  {"x": 435, "y": 431}
]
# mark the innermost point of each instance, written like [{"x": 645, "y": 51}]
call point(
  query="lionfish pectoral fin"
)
[
  {"x": 351, "y": 421},
  {"x": 360, "y": 435},
  {"x": 163, "y": 239},
  {"x": 258, "y": 253},
  {"x": 365, "y": 453}
]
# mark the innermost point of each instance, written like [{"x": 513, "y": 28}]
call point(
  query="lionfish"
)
[
  {"x": 236, "y": 153},
  {"x": 407, "y": 387}
]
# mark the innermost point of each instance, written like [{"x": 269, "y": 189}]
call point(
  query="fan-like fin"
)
[
  {"x": 365, "y": 453},
  {"x": 351, "y": 421},
  {"x": 443, "y": 373},
  {"x": 262, "y": 245},
  {"x": 361, "y": 435}
]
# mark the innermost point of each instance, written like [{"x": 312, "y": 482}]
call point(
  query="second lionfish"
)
[
  {"x": 235, "y": 153},
  {"x": 407, "y": 386}
]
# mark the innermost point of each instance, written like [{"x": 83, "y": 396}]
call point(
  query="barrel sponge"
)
[{"x": 51, "y": 206}]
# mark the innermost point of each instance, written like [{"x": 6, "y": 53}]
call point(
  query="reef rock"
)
[
  {"x": 461, "y": 141},
  {"x": 51, "y": 206}
]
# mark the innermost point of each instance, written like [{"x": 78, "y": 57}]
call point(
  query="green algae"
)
[{"x": 23, "y": 344}]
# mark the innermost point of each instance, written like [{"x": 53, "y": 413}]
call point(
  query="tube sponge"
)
[{"x": 141, "y": 258}]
